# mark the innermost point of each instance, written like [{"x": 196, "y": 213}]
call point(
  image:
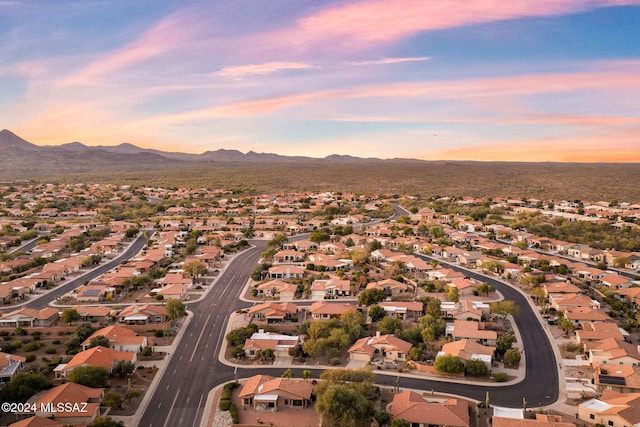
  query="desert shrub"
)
[
  {"x": 500, "y": 377},
  {"x": 233, "y": 410}
]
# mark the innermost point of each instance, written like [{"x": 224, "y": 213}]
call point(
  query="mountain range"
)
[{"x": 22, "y": 159}]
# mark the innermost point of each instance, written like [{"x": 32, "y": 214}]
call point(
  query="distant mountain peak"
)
[{"x": 10, "y": 139}]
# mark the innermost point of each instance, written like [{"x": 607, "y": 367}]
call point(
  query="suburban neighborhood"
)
[{"x": 333, "y": 299}]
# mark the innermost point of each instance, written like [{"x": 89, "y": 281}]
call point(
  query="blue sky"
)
[{"x": 545, "y": 80}]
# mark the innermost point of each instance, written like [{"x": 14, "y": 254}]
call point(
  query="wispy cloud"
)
[
  {"x": 240, "y": 71},
  {"x": 366, "y": 23},
  {"x": 169, "y": 34},
  {"x": 388, "y": 61}
]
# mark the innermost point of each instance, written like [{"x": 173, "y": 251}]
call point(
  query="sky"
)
[{"x": 487, "y": 80}]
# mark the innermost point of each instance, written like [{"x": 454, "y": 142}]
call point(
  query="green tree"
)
[
  {"x": 22, "y": 386},
  {"x": 278, "y": 241},
  {"x": 195, "y": 269},
  {"x": 504, "y": 343},
  {"x": 122, "y": 368},
  {"x": 288, "y": 373},
  {"x": 341, "y": 405},
  {"x": 175, "y": 309},
  {"x": 69, "y": 315},
  {"x": 504, "y": 308},
  {"x": 476, "y": 368},
  {"x": 383, "y": 418},
  {"x": 389, "y": 325},
  {"x": 400, "y": 423},
  {"x": 452, "y": 294},
  {"x": 319, "y": 236},
  {"x": 113, "y": 399},
  {"x": 106, "y": 422},
  {"x": 307, "y": 374},
  {"x": 371, "y": 296},
  {"x": 512, "y": 357},
  {"x": 485, "y": 288},
  {"x": 449, "y": 364},
  {"x": 99, "y": 340},
  {"x": 376, "y": 312},
  {"x": 90, "y": 376}
]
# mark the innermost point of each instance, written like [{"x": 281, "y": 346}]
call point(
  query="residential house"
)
[
  {"x": 96, "y": 356},
  {"x": 289, "y": 256},
  {"x": 277, "y": 289},
  {"x": 266, "y": 394},
  {"x": 598, "y": 331},
  {"x": 10, "y": 365},
  {"x": 85, "y": 403},
  {"x": 559, "y": 288},
  {"x": 30, "y": 317},
  {"x": 142, "y": 314},
  {"x": 562, "y": 302},
  {"x": 615, "y": 281},
  {"x": 465, "y": 287},
  {"x": 323, "y": 310},
  {"x": 391, "y": 287},
  {"x": 272, "y": 312},
  {"x": 421, "y": 412},
  {"x": 541, "y": 420},
  {"x": 580, "y": 316},
  {"x": 476, "y": 331},
  {"x": 387, "y": 348},
  {"x": 286, "y": 272},
  {"x": 619, "y": 378},
  {"x": 94, "y": 292},
  {"x": 403, "y": 309},
  {"x": 36, "y": 421},
  {"x": 261, "y": 340},
  {"x": 330, "y": 288},
  {"x": 611, "y": 409},
  {"x": 467, "y": 349},
  {"x": 613, "y": 352},
  {"x": 120, "y": 338},
  {"x": 94, "y": 313}
]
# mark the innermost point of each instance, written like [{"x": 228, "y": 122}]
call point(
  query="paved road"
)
[
  {"x": 63, "y": 288},
  {"x": 194, "y": 368}
]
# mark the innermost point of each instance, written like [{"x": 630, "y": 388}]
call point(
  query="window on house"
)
[
  {"x": 610, "y": 422},
  {"x": 592, "y": 416}
]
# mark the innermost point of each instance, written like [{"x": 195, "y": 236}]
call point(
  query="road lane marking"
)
[
  {"x": 195, "y": 418},
  {"x": 195, "y": 347},
  {"x": 171, "y": 410}
]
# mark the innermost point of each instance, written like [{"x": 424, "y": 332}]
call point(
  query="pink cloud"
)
[
  {"x": 169, "y": 34},
  {"x": 379, "y": 21},
  {"x": 388, "y": 61},
  {"x": 266, "y": 68}
]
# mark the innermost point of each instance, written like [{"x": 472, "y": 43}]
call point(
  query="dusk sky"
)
[{"x": 515, "y": 80}]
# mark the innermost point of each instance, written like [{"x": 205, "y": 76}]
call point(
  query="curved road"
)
[
  {"x": 63, "y": 288},
  {"x": 194, "y": 369}
]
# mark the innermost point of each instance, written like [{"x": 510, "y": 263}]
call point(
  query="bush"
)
[
  {"x": 500, "y": 377},
  {"x": 30, "y": 358},
  {"x": 159, "y": 333},
  {"x": 50, "y": 351},
  {"x": 147, "y": 351},
  {"x": 233, "y": 410},
  {"x": 334, "y": 361},
  {"x": 33, "y": 346},
  {"x": 55, "y": 342},
  {"x": 224, "y": 405}
]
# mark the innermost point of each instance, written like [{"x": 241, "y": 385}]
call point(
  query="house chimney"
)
[{"x": 377, "y": 334}]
